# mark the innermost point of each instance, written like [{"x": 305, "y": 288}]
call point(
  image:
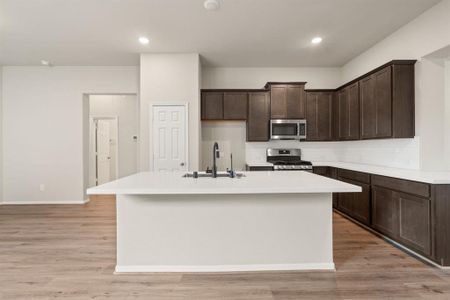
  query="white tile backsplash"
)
[{"x": 398, "y": 153}]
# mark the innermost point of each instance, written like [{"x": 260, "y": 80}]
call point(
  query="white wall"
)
[
  {"x": 125, "y": 108},
  {"x": 1, "y": 135},
  {"x": 44, "y": 112},
  {"x": 424, "y": 35},
  {"x": 170, "y": 78},
  {"x": 447, "y": 112},
  {"x": 255, "y": 78}
]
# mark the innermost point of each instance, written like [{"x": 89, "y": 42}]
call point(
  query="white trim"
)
[
  {"x": 44, "y": 202},
  {"x": 394, "y": 243},
  {"x": 225, "y": 268},
  {"x": 150, "y": 131}
]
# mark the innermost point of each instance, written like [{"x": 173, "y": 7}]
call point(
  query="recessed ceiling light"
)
[
  {"x": 211, "y": 4},
  {"x": 45, "y": 63},
  {"x": 316, "y": 40},
  {"x": 143, "y": 40}
]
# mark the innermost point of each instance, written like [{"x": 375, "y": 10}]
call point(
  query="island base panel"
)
[{"x": 224, "y": 233}]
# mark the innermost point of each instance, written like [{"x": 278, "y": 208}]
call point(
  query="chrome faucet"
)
[{"x": 216, "y": 154}]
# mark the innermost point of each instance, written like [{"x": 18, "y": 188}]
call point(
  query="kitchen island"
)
[{"x": 262, "y": 221}]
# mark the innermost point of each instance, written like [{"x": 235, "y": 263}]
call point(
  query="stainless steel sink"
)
[{"x": 221, "y": 174}]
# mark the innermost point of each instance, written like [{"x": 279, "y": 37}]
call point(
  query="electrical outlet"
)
[{"x": 42, "y": 187}]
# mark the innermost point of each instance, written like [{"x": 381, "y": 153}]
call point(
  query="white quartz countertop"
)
[
  {"x": 270, "y": 182},
  {"x": 433, "y": 177}
]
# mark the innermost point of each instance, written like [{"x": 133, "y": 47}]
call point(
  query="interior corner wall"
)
[
  {"x": 1, "y": 134},
  {"x": 43, "y": 128},
  {"x": 425, "y": 34},
  {"x": 447, "y": 112},
  {"x": 170, "y": 78}
]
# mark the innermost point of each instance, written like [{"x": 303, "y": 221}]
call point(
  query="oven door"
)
[{"x": 285, "y": 129}]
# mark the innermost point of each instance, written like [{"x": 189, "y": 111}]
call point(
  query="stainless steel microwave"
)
[{"x": 287, "y": 129}]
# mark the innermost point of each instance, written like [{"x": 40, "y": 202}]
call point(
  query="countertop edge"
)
[{"x": 388, "y": 172}]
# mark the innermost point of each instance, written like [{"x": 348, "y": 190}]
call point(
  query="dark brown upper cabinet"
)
[
  {"x": 224, "y": 105},
  {"x": 258, "y": 117},
  {"x": 287, "y": 101},
  {"x": 235, "y": 105},
  {"x": 347, "y": 112},
  {"x": 376, "y": 105},
  {"x": 387, "y": 102},
  {"x": 319, "y": 115},
  {"x": 212, "y": 106}
]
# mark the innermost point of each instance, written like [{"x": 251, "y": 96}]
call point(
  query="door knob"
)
[{"x": 182, "y": 164}]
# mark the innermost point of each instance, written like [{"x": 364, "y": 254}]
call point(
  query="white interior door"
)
[
  {"x": 103, "y": 139},
  {"x": 169, "y": 138}
]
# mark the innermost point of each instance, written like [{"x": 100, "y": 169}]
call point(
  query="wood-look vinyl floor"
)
[{"x": 68, "y": 252}]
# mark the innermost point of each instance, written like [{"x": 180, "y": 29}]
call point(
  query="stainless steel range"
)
[{"x": 287, "y": 160}]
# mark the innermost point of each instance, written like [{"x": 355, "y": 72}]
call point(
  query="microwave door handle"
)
[{"x": 298, "y": 129}]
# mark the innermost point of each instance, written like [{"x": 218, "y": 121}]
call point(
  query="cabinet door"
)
[
  {"x": 212, "y": 106},
  {"x": 383, "y": 98},
  {"x": 368, "y": 108},
  {"x": 356, "y": 205},
  {"x": 353, "y": 111},
  {"x": 319, "y": 116},
  {"x": 414, "y": 222},
  {"x": 235, "y": 106},
  {"x": 384, "y": 212},
  {"x": 361, "y": 203},
  {"x": 342, "y": 118},
  {"x": 323, "y": 171},
  {"x": 345, "y": 201},
  {"x": 278, "y": 101},
  {"x": 296, "y": 99},
  {"x": 376, "y": 105},
  {"x": 258, "y": 117}
]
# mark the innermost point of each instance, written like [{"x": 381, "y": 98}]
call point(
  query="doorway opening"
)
[
  {"x": 105, "y": 137},
  {"x": 113, "y": 140}
]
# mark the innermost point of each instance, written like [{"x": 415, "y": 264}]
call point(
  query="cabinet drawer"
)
[
  {"x": 353, "y": 175},
  {"x": 401, "y": 185},
  {"x": 259, "y": 168}
]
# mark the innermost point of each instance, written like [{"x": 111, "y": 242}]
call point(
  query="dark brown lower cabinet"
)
[
  {"x": 440, "y": 212},
  {"x": 258, "y": 168},
  {"x": 414, "y": 222},
  {"x": 356, "y": 205},
  {"x": 384, "y": 212},
  {"x": 414, "y": 214},
  {"x": 323, "y": 171}
]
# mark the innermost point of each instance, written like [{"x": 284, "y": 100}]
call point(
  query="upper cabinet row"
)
[
  {"x": 286, "y": 101},
  {"x": 379, "y": 104}
]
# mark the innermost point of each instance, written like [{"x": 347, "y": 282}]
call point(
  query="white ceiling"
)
[{"x": 243, "y": 33}]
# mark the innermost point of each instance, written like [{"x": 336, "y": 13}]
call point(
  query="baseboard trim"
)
[
  {"x": 394, "y": 243},
  {"x": 44, "y": 202},
  {"x": 225, "y": 268}
]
